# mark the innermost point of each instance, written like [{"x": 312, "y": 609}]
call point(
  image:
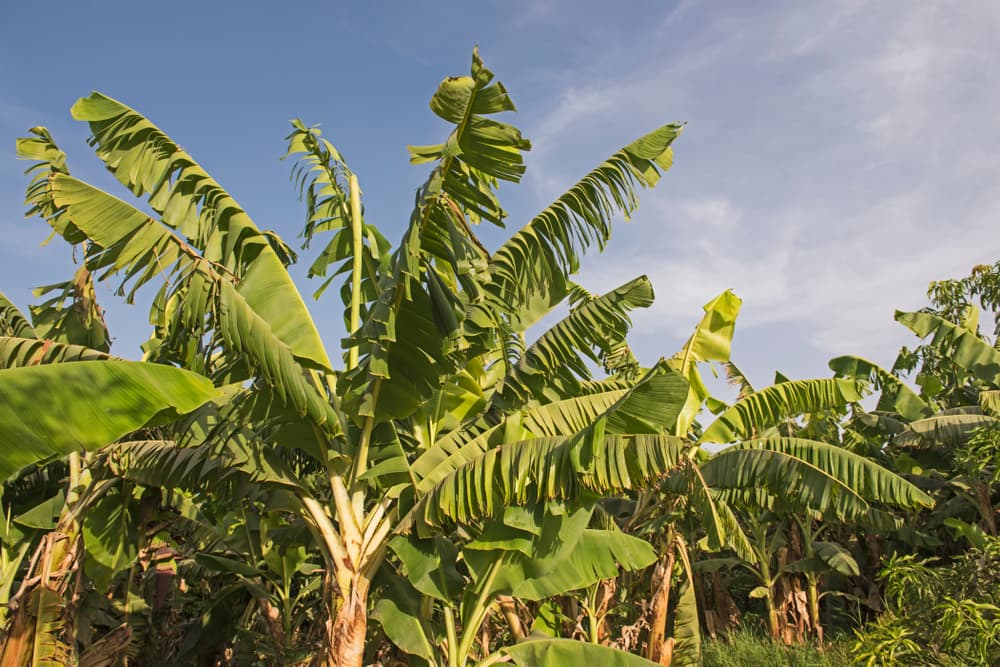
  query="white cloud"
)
[
  {"x": 718, "y": 213},
  {"x": 840, "y": 157}
]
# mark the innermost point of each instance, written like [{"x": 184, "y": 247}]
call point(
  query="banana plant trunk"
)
[
  {"x": 350, "y": 624},
  {"x": 18, "y": 641},
  {"x": 509, "y": 610},
  {"x": 772, "y": 618},
  {"x": 812, "y": 595},
  {"x": 40, "y": 611},
  {"x": 772, "y": 610},
  {"x": 42, "y": 603},
  {"x": 661, "y": 600},
  {"x": 812, "y": 579}
]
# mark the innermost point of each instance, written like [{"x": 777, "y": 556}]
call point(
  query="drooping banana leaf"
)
[
  {"x": 837, "y": 558},
  {"x": 735, "y": 538},
  {"x": 49, "y": 159},
  {"x": 140, "y": 247},
  {"x": 553, "y": 366},
  {"x": 770, "y": 406},
  {"x": 528, "y": 273},
  {"x": 12, "y": 322},
  {"x": 429, "y": 565},
  {"x": 42, "y": 415},
  {"x": 650, "y": 406},
  {"x": 597, "y": 555},
  {"x": 148, "y": 162},
  {"x": 949, "y": 430},
  {"x": 109, "y": 535},
  {"x": 562, "y": 652},
  {"x": 896, "y": 396},
  {"x": 15, "y": 352},
  {"x": 548, "y": 469},
  {"x": 810, "y": 474},
  {"x": 989, "y": 401},
  {"x": 687, "y": 629},
  {"x": 964, "y": 348},
  {"x": 397, "y": 610}
]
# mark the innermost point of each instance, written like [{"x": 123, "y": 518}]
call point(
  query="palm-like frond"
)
[
  {"x": 560, "y": 418},
  {"x": 418, "y": 291},
  {"x": 770, "y": 406},
  {"x": 164, "y": 464},
  {"x": 12, "y": 322},
  {"x": 15, "y": 352},
  {"x": 736, "y": 378},
  {"x": 735, "y": 538},
  {"x": 541, "y": 469},
  {"x": 896, "y": 397},
  {"x": 223, "y": 446},
  {"x": 49, "y": 159},
  {"x": 554, "y": 365},
  {"x": 957, "y": 343},
  {"x": 618, "y": 359},
  {"x": 71, "y": 315},
  {"x": 130, "y": 242},
  {"x": 650, "y": 406},
  {"x": 528, "y": 272},
  {"x": 700, "y": 499},
  {"x": 811, "y": 475},
  {"x": 324, "y": 181},
  {"x": 148, "y": 162},
  {"x": 125, "y": 238}
]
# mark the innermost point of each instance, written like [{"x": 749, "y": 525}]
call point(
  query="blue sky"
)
[{"x": 838, "y": 156}]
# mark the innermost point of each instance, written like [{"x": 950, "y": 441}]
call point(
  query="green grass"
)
[{"x": 744, "y": 648}]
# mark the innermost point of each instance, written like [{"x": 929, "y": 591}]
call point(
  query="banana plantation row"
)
[{"x": 448, "y": 493}]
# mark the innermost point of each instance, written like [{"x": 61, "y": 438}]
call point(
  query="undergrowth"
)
[{"x": 745, "y": 648}]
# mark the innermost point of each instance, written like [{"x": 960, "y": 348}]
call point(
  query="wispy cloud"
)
[{"x": 840, "y": 156}]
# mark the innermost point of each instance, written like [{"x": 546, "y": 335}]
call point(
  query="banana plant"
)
[
  {"x": 441, "y": 413},
  {"x": 944, "y": 437},
  {"x": 531, "y": 555},
  {"x": 45, "y": 511},
  {"x": 770, "y": 470},
  {"x": 658, "y": 512},
  {"x": 125, "y": 396}
]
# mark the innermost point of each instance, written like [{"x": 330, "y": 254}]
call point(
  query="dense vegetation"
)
[{"x": 461, "y": 488}]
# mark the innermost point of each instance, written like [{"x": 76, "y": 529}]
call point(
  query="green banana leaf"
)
[
  {"x": 964, "y": 348},
  {"x": 711, "y": 341},
  {"x": 768, "y": 407},
  {"x": 562, "y": 652},
  {"x": 51, "y": 410}
]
